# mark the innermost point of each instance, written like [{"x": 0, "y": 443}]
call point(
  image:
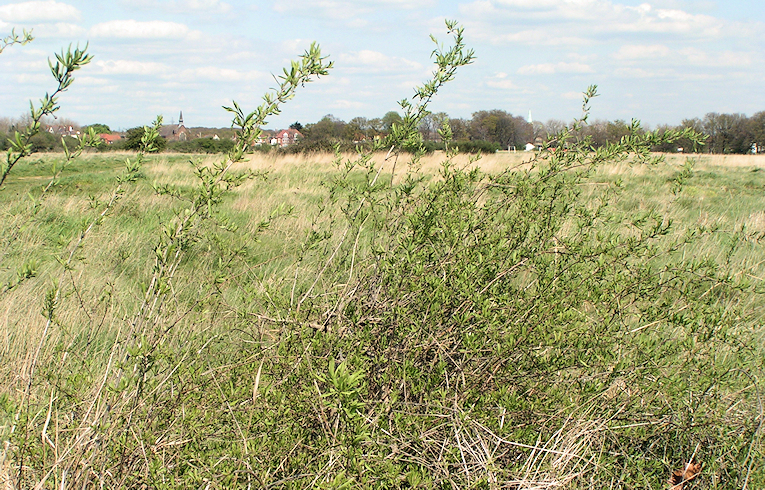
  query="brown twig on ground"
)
[{"x": 680, "y": 476}]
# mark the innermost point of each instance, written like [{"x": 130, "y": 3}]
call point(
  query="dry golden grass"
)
[
  {"x": 6, "y": 483},
  {"x": 729, "y": 161},
  {"x": 324, "y": 162},
  {"x": 491, "y": 163}
]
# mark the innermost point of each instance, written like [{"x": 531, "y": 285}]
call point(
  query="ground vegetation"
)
[{"x": 577, "y": 317}]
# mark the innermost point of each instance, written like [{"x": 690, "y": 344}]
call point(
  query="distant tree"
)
[
  {"x": 728, "y": 133},
  {"x": 616, "y": 130},
  {"x": 666, "y": 147},
  {"x": 296, "y": 126},
  {"x": 497, "y": 126},
  {"x": 202, "y": 145},
  {"x": 460, "y": 129},
  {"x": 328, "y": 128},
  {"x": 687, "y": 145},
  {"x": 538, "y": 129},
  {"x": 10, "y": 124},
  {"x": 358, "y": 129},
  {"x": 430, "y": 125},
  {"x": 376, "y": 125},
  {"x": 596, "y": 131},
  {"x": 389, "y": 119},
  {"x": 757, "y": 129},
  {"x": 98, "y": 128},
  {"x": 133, "y": 139},
  {"x": 5, "y": 124},
  {"x": 553, "y": 127}
]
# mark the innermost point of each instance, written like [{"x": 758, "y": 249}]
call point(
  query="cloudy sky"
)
[{"x": 659, "y": 61}]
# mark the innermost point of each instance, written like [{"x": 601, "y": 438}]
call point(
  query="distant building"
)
[
  {"x": 264, "y": 138},
  {"x": 63, "y": 130},
  {"x": 110, "y": 139},
  {"x": 175, "y": 133},
  {"x": 286, "y": 137}
]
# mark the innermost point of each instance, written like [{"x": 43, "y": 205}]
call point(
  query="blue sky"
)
[{"x": 658, "y": 61}]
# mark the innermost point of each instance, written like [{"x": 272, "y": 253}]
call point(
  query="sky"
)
[{"x": 659, "y": 61}]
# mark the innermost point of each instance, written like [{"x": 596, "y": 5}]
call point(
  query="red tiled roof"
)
[{"x": 110, "y": 138}]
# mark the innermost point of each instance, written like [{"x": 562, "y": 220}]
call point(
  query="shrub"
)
[
  {"x": 498, "y": 311},
  {"x": 465, "y": 146},
  {"x": 43, "y": 141},
  {"x": 202, "y": 145},
  {"x": 133, "y": 137}
]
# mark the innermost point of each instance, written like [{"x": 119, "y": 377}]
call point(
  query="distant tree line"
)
[
  {"x": 486, "y": 131},
  {"x": 725, "y": 134},
  {"x": 497, "y": 129}
]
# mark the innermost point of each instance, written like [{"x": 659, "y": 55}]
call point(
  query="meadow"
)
[{"x": 334, "y": 321}]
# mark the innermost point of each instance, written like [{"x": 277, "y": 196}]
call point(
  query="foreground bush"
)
[{"x": 463, "y": 330}]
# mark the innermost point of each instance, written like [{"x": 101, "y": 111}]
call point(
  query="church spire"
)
[{"x": 180, "y": 119}]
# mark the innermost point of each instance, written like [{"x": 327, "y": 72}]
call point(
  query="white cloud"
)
[
  {"x": 700, "y": 57},
  {"x": 642, "y": 51},
  {"x": 543, "y": 4},
  {"x": 185, "y": 6},
  {"x": 648, "y": 19},
  {"x": 218, "y": 74},
  {"x": 32, "y": 78},
  {"x": 632, "y": 73},
  {"x": 501, "y": 81},
  {"x": 687, "y": 56},
  {"x": 130, "y": 67},
  {"x": 358, "y": 23},
  {"x": 92, "y": 81},
  {"x": 294, "y": 45},
  {"x": 572, "y": 95},
  {"x": 39, "y": 12},
  {"x": 203, "y": 5},
  {"x": 58, "y": 30},
  {"x": 347, "y": 8},
  {"x": 552, "y": 68},
  {"x": 155, "y": 29},
  {"x": 588, "y": 21},
  {"x": 347, "y": 104},
  {"x": 539, "y": 37},
  {"x": 375, "y": 61},
  {"x": 354, "y": 14}
]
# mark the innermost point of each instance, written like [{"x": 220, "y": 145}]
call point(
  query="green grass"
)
[{"x": 454, "y": 364}]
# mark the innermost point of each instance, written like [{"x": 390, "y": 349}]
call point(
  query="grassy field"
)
[{"x": 307, "y": 335}]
